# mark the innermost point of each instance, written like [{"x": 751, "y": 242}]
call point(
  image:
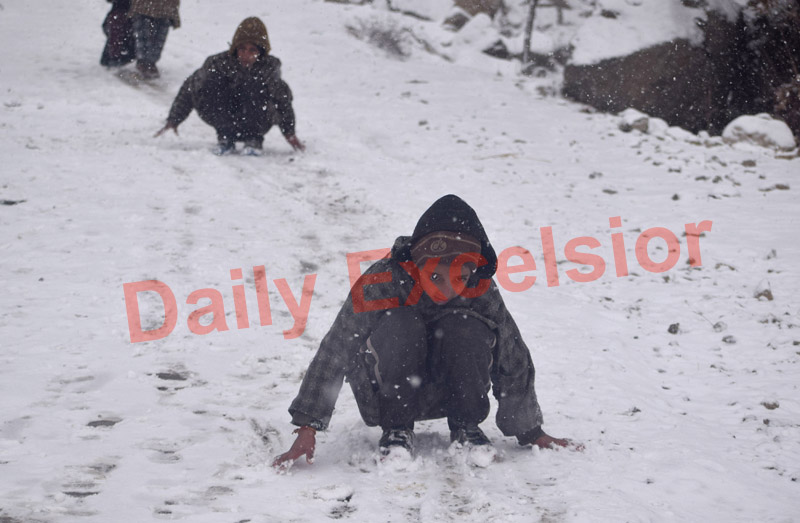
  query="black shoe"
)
[
  {"x": 147, "y": 70},
  {"x": 396, "y": 438},
  {"x": 253, "y": 146},
  {"x": 469, "y": 435},
  {"x": 255, "y": 143},
  {"x": 224, "y": 148}
]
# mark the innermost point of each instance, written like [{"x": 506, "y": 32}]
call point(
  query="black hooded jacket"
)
[
  {"x": 512, "y": 370},
  {"x": 451, "y": 213}
]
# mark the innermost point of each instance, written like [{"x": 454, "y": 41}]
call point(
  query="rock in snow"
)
[{"x": 762, "y": 130}]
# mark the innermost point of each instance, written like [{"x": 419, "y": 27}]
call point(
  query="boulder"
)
[
  {"x": 741, "y": 62},
  {"x": 787, "y": 104},
  {"x": 657, "y": 127},
  {"x": 631, "y": 119},
  {"x": 457, "y": 19},
  {"x": 761, "y": 130},
  {"x": 667, "y": 81}
]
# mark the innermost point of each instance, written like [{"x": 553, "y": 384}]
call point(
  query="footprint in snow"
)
[
  {"x": 176, "y": 379},
  {"x": 177, "y": 508},
  {"x": 172, "y": 375},
  {"x": 80, "y": 489},
  {"x": 340, "y": 497},
  {"x": 79, "y": 384},
  {"x": 84, "y": 482},
  {"x": 160, "y": 451},
  {"x": 104, "y": 421}
]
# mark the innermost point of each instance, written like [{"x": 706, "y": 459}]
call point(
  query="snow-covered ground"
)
[{"x": 702, "y": 424}]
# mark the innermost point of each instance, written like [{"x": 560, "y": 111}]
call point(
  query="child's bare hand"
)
[
  {"x": 304, "y": 445},
  {"x": 166, "y": 128},
  {"x": 548, "y": 442}
]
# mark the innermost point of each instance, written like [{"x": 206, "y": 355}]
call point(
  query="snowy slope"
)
[{"x": 701, "y": 425}]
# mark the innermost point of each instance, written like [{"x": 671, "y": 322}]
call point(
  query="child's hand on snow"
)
[
  {"x": 304, "y": 444},
  {"x": 549, "y": 442},
  {"x": 295, "y": 142},
  {"x": 166, "y": 128},
  {"x": 543, "y": 440}
]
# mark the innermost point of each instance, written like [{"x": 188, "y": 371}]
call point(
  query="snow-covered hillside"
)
[{"x": 683, "y": 385}]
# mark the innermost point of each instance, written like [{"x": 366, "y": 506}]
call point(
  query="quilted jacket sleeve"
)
[
  {"x": 280, "y": 96},
  {"x": 339, "y": 349},
  {"x": 513, "y": 374}
]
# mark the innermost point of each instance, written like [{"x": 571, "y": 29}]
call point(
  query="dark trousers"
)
[
  {"x": 236, "y": 116},
  {"x": 410, "y": 361},
  {"x": 120, "y": 47},
  {"x": 150, "y": 34}
]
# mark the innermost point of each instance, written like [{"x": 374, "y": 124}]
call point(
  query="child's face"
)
[
  {"x": 440, "y": 277},
  {"x": 247, "y": 55}
]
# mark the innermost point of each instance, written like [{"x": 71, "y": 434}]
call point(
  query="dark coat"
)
[
  {"x": 339, "y": 354},
  {"x": 168, "y": 9},
  {"x": 229, "y": 96}
]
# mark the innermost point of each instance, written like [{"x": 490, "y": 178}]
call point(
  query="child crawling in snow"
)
[{"x": 425, "y": 334}]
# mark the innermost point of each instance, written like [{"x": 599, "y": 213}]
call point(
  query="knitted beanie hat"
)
[
  {"x": 251, "y": 31},
  {"x": 452, "y": 214},
  {"x": 444, "y": 245}
]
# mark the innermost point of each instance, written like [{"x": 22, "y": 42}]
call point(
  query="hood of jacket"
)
[
  {"x": 449, "y": 213},
  {"x": 251, "y": 31}
]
